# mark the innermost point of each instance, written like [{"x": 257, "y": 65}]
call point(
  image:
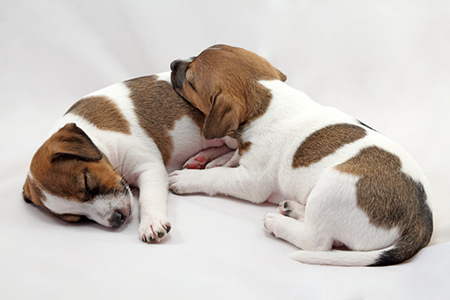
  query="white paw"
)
[
  {"x": 273, "y": 223},
  {"x": 183, "y": 181},
  {"x": 292, "y": 209},
  {"x": 154, "y": 227}
]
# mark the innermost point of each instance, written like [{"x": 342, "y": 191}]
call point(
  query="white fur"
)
[
  {"x": 137, "y": 158},
  {"x": 165, "y": 76},
  {"x": 266, "y": 173},
  {"x": 100, "y": 209}
]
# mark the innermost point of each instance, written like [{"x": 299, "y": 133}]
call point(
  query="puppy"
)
[
  {"x": 340, "y": 181},
  {"x": 131, "y": 133}
]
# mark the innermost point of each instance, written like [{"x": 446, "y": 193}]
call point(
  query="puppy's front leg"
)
[
  {"x": 154, "y": 224},
  {"x": 238, "y": 182}
]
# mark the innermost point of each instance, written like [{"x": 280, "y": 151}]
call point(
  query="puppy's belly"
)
[
  {"x": 276, "y": 197},
  {"x": 187, "y": 141}
]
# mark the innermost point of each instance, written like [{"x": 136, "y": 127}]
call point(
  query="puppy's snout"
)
[
  {"x": 117, "y": 219},
  {"x": 174, "y": 65}
]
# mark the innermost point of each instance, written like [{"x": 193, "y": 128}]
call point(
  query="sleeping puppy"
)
[
  {"x": 339, "y": 181},
  {"x": 131, "y": 133}
]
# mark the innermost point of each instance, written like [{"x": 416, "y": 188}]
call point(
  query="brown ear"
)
[
  {"x": 71, "y": 142},
  {"x": 223, "y": 118},
  {"x": 282, "y": 76},
  {"x": 70, "y": 218},
  {"x": 26, "y": 193},
  {"x": 31, "y": 192}
]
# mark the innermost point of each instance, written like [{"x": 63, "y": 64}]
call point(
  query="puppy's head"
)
[
  {"x": 71, "y": 178},
  {"x": 222, "y": 82}
]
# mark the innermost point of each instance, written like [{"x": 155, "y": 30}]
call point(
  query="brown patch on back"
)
[
  {"x": 102, "y": 112},
  {"x": 158, "y": 107},
  {"x": 391, "y": 198},
  {"x": 324, "y": 142}
]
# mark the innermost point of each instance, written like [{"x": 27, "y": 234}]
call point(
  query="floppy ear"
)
[
  {"x": 26, "y": 192},
  {"x": 71, "y": 142},
  {"x": 31, "y": 192},
  {"x": 281, "y": 75},
  {"x": 70, "y": 218},
  {"x": 223, "y": 118}
]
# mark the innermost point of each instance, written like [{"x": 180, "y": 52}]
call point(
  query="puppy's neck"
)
[
  {"x": 287, "y": 97},
  {"x": 286, "y": 103}
]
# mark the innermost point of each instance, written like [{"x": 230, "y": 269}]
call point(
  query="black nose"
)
[
  {"x": 175, "y": 64},
  {"x": 117, "y": 219}
]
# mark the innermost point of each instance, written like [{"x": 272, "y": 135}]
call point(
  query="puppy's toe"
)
[
  {"x": 292, "y": 209},
  {"x": 154, "y": 228}
]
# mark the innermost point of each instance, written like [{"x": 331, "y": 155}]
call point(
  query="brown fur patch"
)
[
  {"x": 324, "y": 142},
  {"x": 391, "y": 198},
  {"x": 230, "y": 96},
  {"x": 158, "y": 107},
  {"x": 69, "y": 174},
  {"x": 102, "y": 112},
  {"x": 31, "y": 192},
  {"x": 243, "y": 146}
]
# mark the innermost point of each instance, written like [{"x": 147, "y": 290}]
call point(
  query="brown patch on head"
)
[
  {"x": 70, "y": 166},
  {"x": 222, "y": 82},
  {"x": 102, "y": 112},
  {"x": 324, "y": 142},
  {"x": 391, "y": 198},
  {"x": 158, "y": 107}
]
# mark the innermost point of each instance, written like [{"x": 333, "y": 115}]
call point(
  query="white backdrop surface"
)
[{"x": 384, "y": 62}]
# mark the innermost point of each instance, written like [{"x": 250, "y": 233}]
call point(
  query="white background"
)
[{"x": 384, "y": 62}]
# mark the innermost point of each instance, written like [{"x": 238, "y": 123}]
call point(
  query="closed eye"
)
[
  {"x": 190, "y": 78},
  {"x": 86, "y": 185},
  {"x": 90, "y": 188},
  {"x": 192, "y": 86}
]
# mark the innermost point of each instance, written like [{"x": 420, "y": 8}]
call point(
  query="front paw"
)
[
  {"x": 154, "y": 228},
  {"x": 183, "y": 181}
]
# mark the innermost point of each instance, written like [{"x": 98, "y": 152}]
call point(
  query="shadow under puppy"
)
[
  {"x": 339, "y": 181},
  {"x": 130, "y": 133}
]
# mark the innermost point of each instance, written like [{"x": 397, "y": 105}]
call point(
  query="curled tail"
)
[
  {"x": 403, "y": 249},
  {"x": 339, "y": 257}
]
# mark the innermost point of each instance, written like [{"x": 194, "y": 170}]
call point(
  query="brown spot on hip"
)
[
  {"x": 387, "y": 195},
  {"x": 324, "y": 142},
  {"x": 391, "y": 198},
  {"x": 158, "y": 107},
  {"x": 102, "y": 112}
]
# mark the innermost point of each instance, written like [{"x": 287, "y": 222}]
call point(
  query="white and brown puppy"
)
[
  {"x": 131, "y": 133},
  {"x": 345, "y": 183}
]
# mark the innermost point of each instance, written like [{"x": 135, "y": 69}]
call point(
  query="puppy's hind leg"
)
[{"x": 298, "y": 233}]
